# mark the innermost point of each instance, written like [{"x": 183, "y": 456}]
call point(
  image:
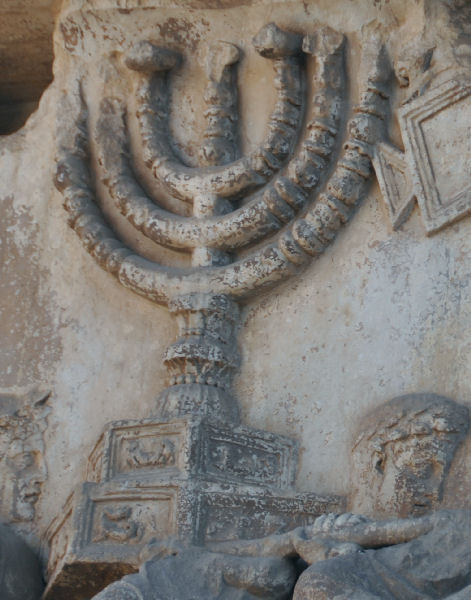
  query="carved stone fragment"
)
[
  {"x": 197, "y": 574},
  {"x": 403, "y": 453},
  {"x": 437, "y": 165},
  {"x": 395, "y": 182},
  {"x": 215, "y": 282},
  {"x": 23, "y": 420},
  {"x": 435, "y": 74},
  {"x": 407, "y": 445},
  {"x": 193, "y": 471},
  {"x": 194, "y": 479}
]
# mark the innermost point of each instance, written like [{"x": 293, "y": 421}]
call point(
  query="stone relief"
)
[
  {"x": 217, "y": 495},
  {"x": 403, "y": 454},
  {"x": 143, "y": 456},
  {"x": 23, "y": 420},
  {"x": 197, "y": 499},
  {"x": 117, "y": 525},
  {"x": 402, "y": 457},
  {"x": 292, "y": 218},
  {"x": 216, "y": 479},
  {"x": 434, "y": 70}
]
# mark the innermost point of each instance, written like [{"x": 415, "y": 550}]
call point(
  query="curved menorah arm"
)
[
  {"x": 311, "y": 234},
  {"x": 248, "y": 223},
  {"x": 267, "y": 211},
  {"x": 73, "y": 180},
  {"x": 244, "y": 174},
  {"x": 314, "y": 231},
  {"x": 154, "y": 282},
  {"x": 306, "y": 238},
  {"x": 220, "y": 145},
  {"x": 153, "y": 65}
]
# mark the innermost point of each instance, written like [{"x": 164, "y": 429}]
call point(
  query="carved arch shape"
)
[
  {"x": 265, "y": 213},
  {"x": 152, "y": 66},
  {"x": 305, "y": 237}
]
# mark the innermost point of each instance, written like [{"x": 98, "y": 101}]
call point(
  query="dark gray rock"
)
[
  {"x": 20, "y": 572},
  {"x": 195, "y": 574}
]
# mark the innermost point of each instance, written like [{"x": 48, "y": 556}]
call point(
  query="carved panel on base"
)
[
  {"x": 193, "y": 479},
  {"x": 193, "y": 446},
  {"x": 223, "y": 516}
]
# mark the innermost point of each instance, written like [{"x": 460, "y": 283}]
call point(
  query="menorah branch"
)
[
  {"x": 264, "y": 213},
  {"x": 300, "y": 206},
  {"x": 220, "y": 145},
  {"x": 244, "y": 174}
]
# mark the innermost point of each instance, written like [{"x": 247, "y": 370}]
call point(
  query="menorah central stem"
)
[
  {"x": 205, "y": 206},
  {"x": 202, "y": 361}
]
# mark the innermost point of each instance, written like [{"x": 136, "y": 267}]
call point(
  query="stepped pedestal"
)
[{"x": 190, "y": 478}]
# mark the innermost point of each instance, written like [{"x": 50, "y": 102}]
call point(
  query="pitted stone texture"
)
[
  {"x": 224, "y": 230},
  {"x": 193, "y": 479},
  {"x": 23, "y": 420},
  {"x": 435, "y": 165},
  {"x": 108, "y": 525},
  {"x": 432, "y": 68},
  {"x": 350, "y": 556},
  {"x": 380, "y": 313},
  {"x": 191, "y": 447},
  {"x": 403, "y": 454}
]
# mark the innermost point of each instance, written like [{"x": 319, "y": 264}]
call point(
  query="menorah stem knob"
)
[{"x": 202, "y": 361}]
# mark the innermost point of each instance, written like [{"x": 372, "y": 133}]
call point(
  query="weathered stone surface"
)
[
  {"x": 442, "y": 195},
  {"x": 23, "y": 420},
  {"x": 395, "y": 182},
  {"x": 408, "y": 445},
  {"x": 403, "y": 453},
  {"x": 196, "y": 573},
  {"x": 201, "y": 169},
  {"x": 193, "y": 447},
  {"x": 402, "y": 456},
  {"x": 195, "y": 480},
  {"x": 230, "y": 481}
]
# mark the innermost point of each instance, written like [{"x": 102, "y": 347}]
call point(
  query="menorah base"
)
[
  {"x": 198, "y": 399},
  {"x": 190, "y": 478}
]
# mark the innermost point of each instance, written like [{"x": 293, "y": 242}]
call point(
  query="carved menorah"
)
[
  {"x": 255, "y": 219},
  {"x": 246, "y": 223}
]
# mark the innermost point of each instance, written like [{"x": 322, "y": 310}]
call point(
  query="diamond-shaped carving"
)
[
  {"x": 437, "y": 162},
  {"x": 395, "y": 182}
]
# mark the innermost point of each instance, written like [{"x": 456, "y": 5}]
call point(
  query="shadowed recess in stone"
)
[{"x": 26, "y": 57}]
